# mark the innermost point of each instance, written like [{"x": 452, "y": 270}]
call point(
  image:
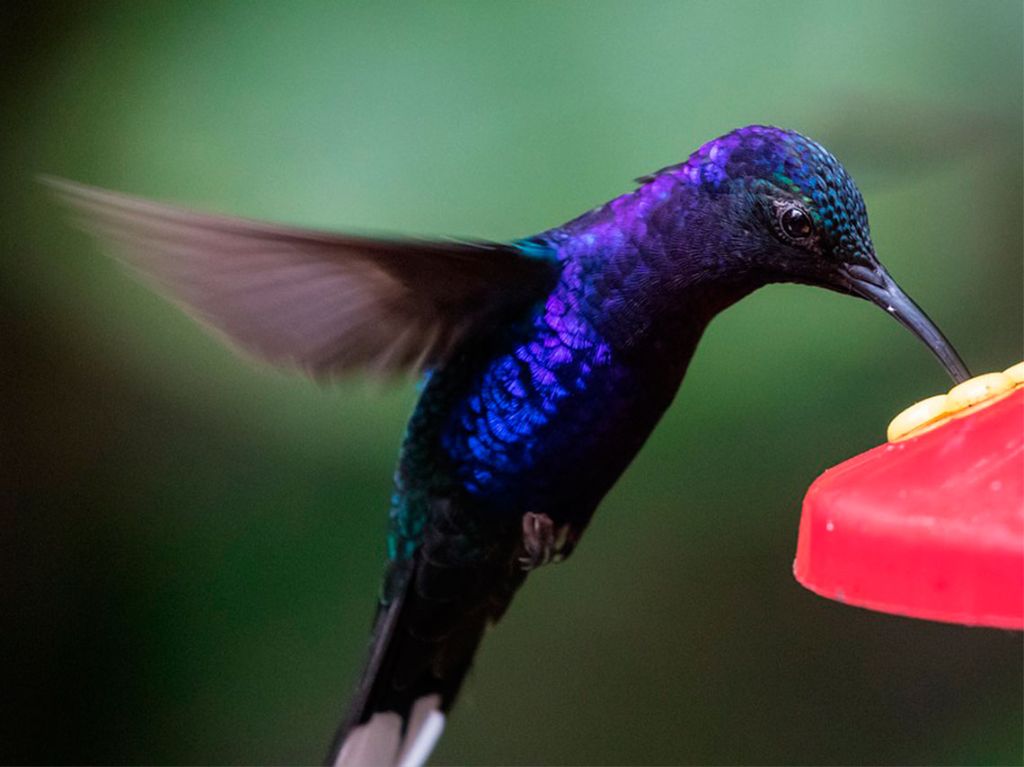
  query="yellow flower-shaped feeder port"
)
[{"x": 963, "y": 398}]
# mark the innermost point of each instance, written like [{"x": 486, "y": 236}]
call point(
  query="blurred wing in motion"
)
[{"x": 325, "y": 303}]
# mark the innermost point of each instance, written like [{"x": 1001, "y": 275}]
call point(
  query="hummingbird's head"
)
[{"x": 791, "y": 213}]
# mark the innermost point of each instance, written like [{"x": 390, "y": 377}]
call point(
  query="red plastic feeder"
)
[{"x": 928, "y": 527}]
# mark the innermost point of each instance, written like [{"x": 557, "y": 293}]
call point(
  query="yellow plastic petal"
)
[
  {"x": 1016, "y": 373},
  {"x": 920, "y": 414},
  {"x": 978, "y": 389}
]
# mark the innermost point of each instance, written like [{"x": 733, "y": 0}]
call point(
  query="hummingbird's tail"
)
[
  {"x": 424, "y": 638},
  {"x": 374, "y": 736}
]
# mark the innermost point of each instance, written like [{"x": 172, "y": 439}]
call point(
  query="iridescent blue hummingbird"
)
[{"x": 546, "y": 363}]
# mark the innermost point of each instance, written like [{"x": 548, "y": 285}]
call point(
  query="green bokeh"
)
[{"x": 192, "y": 545}]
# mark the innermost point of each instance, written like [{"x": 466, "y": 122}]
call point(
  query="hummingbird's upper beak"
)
[{"x": 875, "y": 284}]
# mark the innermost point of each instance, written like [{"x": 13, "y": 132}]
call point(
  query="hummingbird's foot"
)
[{"x": 542, "y": 541}]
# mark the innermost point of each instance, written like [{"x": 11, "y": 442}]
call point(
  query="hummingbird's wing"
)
[{"x": 322, "y": 302}]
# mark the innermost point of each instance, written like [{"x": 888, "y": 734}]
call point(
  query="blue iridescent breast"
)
[{"x": 531, "y": 412}]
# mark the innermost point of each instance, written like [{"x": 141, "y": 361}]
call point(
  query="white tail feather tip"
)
[
  {"x": 426, "y": 722},
  {"x": 380, "y": 741},
  {"x": 374, "y": 744}
]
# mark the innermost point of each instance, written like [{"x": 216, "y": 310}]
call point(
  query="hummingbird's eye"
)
[{"x": 795, "y": 222}]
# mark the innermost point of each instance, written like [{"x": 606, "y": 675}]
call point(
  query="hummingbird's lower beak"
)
[{"x": 877, "y": 286}]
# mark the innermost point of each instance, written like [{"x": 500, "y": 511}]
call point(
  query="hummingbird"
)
[{"x": 545, "y": 364}]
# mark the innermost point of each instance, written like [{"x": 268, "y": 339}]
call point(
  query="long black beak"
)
[{"x": 877, "y": 286}]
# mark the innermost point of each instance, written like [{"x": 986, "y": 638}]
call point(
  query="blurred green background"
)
[{"x": 190, "y": 546}]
